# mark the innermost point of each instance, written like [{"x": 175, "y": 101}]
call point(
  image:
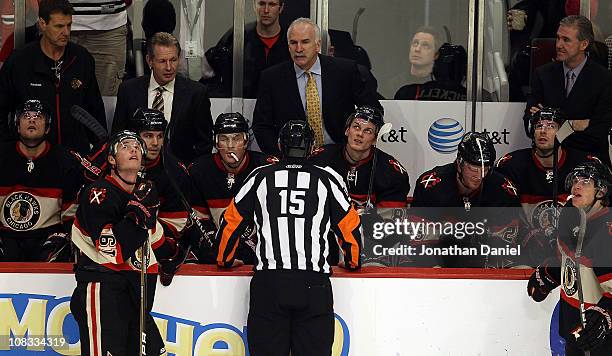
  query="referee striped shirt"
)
[{"x": 294, "y": 205}]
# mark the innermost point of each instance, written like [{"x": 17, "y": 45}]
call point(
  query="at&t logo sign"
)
[{"x": 445, "y": 134}]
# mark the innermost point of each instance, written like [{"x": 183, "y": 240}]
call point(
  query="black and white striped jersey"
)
[
  {"x": 98, "y": 15},
  {"x": 294, "y": 205}
]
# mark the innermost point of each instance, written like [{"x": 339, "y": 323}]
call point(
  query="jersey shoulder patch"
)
[
  {"x": 509, "y": 187},
  {"x": 396, "y": 165},
  {"x": 97, "y": 195},
  {"x": 430, "y": 179}
]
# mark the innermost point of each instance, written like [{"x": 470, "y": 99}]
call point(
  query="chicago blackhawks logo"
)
[
  {"x": 543, "y": 216},
  {"x": 569, "y": 277},
  {"x": 21, "y": 211}
]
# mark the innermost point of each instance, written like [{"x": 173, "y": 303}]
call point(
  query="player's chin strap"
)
[
  {"x": 546, "y": 155},
  {"x": 120, "y": 177}
]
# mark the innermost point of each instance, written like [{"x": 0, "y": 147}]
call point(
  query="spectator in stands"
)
[
  {"x": 185, "y": 103},
  {"x": 57, "y": 72},
  {"x": 429, "y": 76},
  {"x": 101, "y": 27},
  {"x": 577, "y": 85},
  {"x": 319, "y": 89},
  {"x": 265, "y": 44},
  {"x": 38, "y": 188},
  {"x": 423, "y": 52}
]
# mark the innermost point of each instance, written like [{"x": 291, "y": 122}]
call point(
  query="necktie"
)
[
  {"x": 313, "y": 109},
  {"x": 569, "y": 82},
  {"x": 158, "y": 101}
]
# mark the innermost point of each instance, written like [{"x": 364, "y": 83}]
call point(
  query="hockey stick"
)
[
  {"x": 143, "y": 296},
  {"x": 81, "y": 115},
  {"x": 385, "y": 129},
  {"x": 578, "y": 256},
  {"x": 168, "y": 160}
]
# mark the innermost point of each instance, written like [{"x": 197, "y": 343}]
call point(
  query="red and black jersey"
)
[
  {"x": 391, "y": 182},
  {"x": 535, "y": 182},
  {"x": 38, "y": 195},
  {"x": 172, "y": 214},
  {"x": 213, "y": 187},
  {"x": 595, "y": 266},
  {"x": 438, "y": 188},
  {"x": 109, "y": 241}
]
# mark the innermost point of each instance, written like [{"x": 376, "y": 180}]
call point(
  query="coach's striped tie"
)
[{"x": 158, "y": 101}]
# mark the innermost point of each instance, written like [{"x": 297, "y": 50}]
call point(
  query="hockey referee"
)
[{"x": 294, "y": 205}]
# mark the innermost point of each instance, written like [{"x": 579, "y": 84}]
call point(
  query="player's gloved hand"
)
[
  {"x": 540, "y": 284},
  {"x": 143, "y": 206},
  {"x": 94, "y": 164},
  {"x": 170, "y": 264},
  {"x": 598, "y": 326}
]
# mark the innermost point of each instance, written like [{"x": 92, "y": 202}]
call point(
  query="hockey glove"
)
[
  {"x": 142, "y": 208},
  {"x": 170, "y": 265},
  {"x": 541, "y": 283},
  {"x": 56, "y": 248},
  {"x": 598, "y": 326},
  {"x": 94, "y": 164}
]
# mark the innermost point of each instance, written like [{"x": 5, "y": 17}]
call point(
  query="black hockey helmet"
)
[
  {"x": 476, "y": 148},
  {"x": 121, "y": 136},
  {"x": 147, "y": 120},
  {"x": 598, "y": 172},
  {"x": 230, "y": 122},
  {"x": 367, "y": 113},
  {"x": 296, "y": 139},
  {"x": 545, "y": 114},
  {"x": 33, "y": 105}
]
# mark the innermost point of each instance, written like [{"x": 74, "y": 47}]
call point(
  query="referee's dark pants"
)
[{"x": 290, "y": 310}]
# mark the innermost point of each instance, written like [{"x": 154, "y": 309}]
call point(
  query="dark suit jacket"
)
[
  {"x": 278, "y": 100},
  {"x": 191, "y": 121},
  {"x": 590, "y": 98}
]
